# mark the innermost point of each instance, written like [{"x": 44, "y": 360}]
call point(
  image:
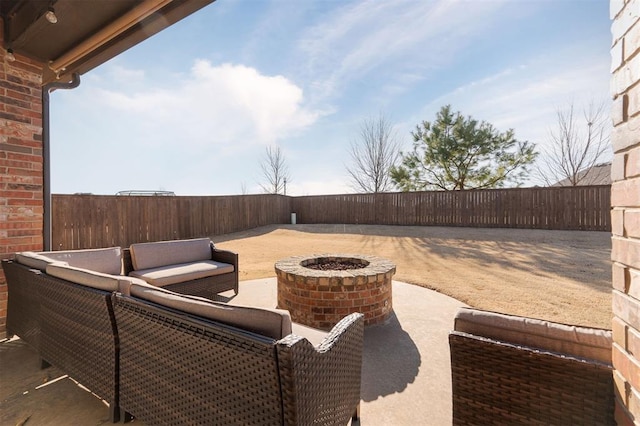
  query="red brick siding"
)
[
  {"x": 21, "y": 179},
  {"x": 625, "y": 203}
]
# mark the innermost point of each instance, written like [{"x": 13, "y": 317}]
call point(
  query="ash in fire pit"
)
[{"x": 334, "y": 264}]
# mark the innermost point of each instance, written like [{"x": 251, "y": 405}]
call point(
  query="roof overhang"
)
[{"x": 87, "y": 33}]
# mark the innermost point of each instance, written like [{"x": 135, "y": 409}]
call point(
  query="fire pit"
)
[{"x": 320, "y": 290}]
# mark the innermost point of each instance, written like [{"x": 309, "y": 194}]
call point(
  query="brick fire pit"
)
[{"x": 321, "y": 298}]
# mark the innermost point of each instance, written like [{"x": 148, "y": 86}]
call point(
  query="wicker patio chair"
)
[{"x": 514, "y": 370}]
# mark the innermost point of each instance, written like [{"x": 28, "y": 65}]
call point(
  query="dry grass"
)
[{"x": 557, "y": 275}]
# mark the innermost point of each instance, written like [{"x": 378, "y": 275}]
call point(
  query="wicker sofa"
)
[
  {"x": 508, "y": 369},
  {"x": 188, "y": 360},
  {"x": 107, "y": 329},
  {"x": 192, "y": 266}
]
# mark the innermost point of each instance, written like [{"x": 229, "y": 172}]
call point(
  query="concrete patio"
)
[{"x": 405, "y": 374}]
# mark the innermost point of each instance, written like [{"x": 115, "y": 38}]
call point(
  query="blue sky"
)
[{"x": 193, "y": 108}]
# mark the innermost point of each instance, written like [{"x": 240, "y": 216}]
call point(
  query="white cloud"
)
[
  {"x": 222, "y": 105},
  {"x": 196, "y": 134},
  {"x": 375, "y": 35},
  {"x": 527, "y": 97},
  {"x": 122, "y": 74}
]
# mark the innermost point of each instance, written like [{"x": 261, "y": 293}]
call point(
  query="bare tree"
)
[
  {"x": 274, "y": 171},
  {"x": 373, "y": 154},
  {"x": 574, "y": 146}
]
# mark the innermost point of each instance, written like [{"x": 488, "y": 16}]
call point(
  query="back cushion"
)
[
  {"x": 585, "y": 342},
  {"x": 105, "y": 260},
  {"x": 85, "y": 277},
  {"x": 274, "y": 323},
  {"x": 163, "y": 253},
  {"x": 33, "y": 260}
]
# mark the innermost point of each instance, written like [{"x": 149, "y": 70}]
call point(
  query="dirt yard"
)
[{"x": 557, "y": 275}]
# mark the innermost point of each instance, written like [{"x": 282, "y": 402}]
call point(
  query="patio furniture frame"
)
[
  {"x": 496, "y": 383},
  {"x": 177, "y": 368},
  {"x": 71, "y": 326}
]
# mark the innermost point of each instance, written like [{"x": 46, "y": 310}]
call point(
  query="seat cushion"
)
[
  {"x": 583, "y": 342},
  {"x": 313, "y": 335},
  {"x": 163, "y": 253},
  {"x": 273, "y": 323},
  {"x": 166, "y": 275}
]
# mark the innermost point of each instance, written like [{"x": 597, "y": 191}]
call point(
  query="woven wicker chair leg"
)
[
  {"x": 355, "y": 417},
  {"x": 119, "y": 415},
  {"x": 44, "y": 364},
  {"x": 126, "y": 417},
  {"x": 114, "y": 413}
]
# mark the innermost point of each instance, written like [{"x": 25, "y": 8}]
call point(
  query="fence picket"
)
[
  {"x": 91, "y": 221},
  {"x": 570, "y": 208}
]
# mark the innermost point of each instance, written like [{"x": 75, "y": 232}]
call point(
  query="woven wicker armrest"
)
[
  {"x": 321, "y": 385},
  {"x": 226, "y": 256},
  {"x": 23, "y": 310},
  {"x": 495, "y": 382},
  {"x": 127, "y": 263}
]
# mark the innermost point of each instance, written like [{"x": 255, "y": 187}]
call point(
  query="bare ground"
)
[{"x": 562, "y": 276}]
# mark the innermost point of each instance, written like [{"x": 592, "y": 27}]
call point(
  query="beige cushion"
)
[
  {"x": 313, "y": 335},
  {"x": 166, "y": 275},
  {"x": 125, "y": 287},
  {"x": 86, "y": 277},
  {"x": 584, "y": 342},
  {"x": 163, "y": 253},
  {"x": 105, "y": 260},
  {"x": 33, "y": 260},
  {"x": 274, "y": 323}
]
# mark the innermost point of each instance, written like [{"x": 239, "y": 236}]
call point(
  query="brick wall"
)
[
  {"x": 21, "y": 194},
  {"x": 625, "y": 202}
]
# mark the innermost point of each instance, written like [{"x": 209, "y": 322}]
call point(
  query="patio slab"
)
[{"x": 406, "y": 375}]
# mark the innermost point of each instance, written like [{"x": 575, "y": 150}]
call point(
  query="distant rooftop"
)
[{"x": 600, "y": 174}]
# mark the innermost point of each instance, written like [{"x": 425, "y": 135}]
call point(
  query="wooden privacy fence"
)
[
  {"x": 570, "y": 208},
  {"x": 92, "y": 221}
]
